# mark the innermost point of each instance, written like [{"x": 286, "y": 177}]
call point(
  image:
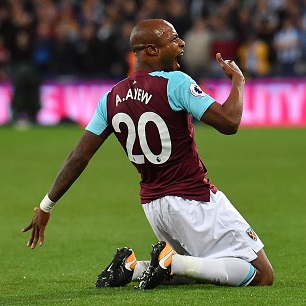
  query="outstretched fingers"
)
[
  {"x": 42, "y": 235},
  {"x": 25, "y": 229},
  {"x": 36, "y": 235},
  {"x": 37, "y": 231},
  {"x": 34, "y": 239}
]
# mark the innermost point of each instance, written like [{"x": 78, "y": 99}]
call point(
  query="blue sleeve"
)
[
  {"x": 184, "y": 94},
  {"x": 98, "y": 122}
]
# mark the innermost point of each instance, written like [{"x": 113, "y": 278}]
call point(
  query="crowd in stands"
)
[{"x": 89, "y": 39}]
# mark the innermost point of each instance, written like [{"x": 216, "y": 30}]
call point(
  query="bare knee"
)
[
  {"x": 263, "y": 278},
  {"x": 264, "y": 272},
  {"x": 268, "y": 279}
]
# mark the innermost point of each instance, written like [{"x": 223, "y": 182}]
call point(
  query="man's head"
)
[{"x": 156, "y": 45}]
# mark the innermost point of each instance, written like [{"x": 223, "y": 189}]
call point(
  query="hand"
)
[
  {"x": 229, "y": 67},
  {"x": 38, "y": 225}
]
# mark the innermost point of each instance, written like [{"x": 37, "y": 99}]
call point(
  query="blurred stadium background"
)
[{"x": 57, "y": 57}]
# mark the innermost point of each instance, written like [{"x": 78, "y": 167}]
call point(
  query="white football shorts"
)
[{"x": 212, "y": 229}]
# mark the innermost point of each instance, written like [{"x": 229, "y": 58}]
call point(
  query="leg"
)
[
  {"x": 222, "y": 250},
  {"x": 140, "y": 267},
  {"x": 264, "y": 274},
  {"x": 220, "y": 271}
]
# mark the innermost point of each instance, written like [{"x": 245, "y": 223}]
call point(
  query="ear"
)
[{"x": 152, "y": 50}]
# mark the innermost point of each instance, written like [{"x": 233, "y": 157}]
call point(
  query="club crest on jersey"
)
[
  {"x": 251, "y": 233},
  {"x": 196, "y": 90}
]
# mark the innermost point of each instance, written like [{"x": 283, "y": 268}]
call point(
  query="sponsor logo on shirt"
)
[{"x": 196, "y": 90}]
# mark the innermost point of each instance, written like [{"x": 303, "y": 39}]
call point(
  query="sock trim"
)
[{"x": 249, "y": 277}]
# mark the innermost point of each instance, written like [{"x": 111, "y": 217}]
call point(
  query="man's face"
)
[{"x": 171, "y": 47}]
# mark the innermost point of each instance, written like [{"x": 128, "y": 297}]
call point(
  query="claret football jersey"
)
[{"x": 150, "y": 114}]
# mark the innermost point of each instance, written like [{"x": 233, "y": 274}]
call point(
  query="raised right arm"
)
[{"x": 226, "y": 117}]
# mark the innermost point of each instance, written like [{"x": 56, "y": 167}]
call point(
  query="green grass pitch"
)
[{"x": 262, "y": 171}]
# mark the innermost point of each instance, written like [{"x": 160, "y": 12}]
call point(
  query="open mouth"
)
[{"x": 178, "y": 56}]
